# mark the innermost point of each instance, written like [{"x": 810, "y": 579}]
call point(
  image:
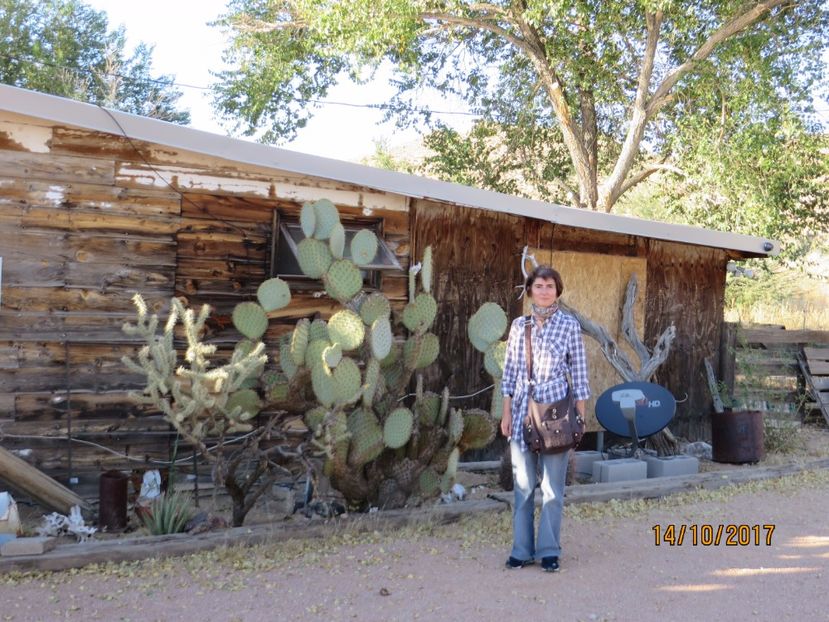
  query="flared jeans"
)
[{"x": 525, "y": 465}]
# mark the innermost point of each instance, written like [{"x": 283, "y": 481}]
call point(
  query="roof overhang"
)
[{"x": 87, "y": 116}]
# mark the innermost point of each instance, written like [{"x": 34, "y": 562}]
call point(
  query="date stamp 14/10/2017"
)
[{"x": 731, "y": 534}]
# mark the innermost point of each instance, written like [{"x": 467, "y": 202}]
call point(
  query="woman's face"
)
[{"x": 543, "y": 292}]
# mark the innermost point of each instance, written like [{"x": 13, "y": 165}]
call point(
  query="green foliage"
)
[
  {"x": 167, "y": 514},
  {"x": 65, "y": 48},
  {"x": 554, "y": 83}
]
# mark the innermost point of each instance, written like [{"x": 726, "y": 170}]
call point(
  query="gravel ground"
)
[{"x": 612, "y": 569}]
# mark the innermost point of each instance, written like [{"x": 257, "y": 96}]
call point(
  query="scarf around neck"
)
[{"x": 544, "y": 312}]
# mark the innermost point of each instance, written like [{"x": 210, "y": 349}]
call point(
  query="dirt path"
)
[{"x": 611, "y": 570}]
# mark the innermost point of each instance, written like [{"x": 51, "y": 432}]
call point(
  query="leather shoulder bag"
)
[{"x": 549, "y": 428}]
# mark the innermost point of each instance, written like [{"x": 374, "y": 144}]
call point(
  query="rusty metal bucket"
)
[
  {"x": 738, "y": 436},
  {"x": 112, "y": 513}
]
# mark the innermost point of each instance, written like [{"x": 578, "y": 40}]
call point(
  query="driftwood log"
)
[{"x": 664, "y": 442}]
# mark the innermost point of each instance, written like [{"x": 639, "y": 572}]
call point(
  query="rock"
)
[
  {"x": 28, "y": 546},
  {"x": 203, "y": 522}
]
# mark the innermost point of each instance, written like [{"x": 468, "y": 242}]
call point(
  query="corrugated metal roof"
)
[{"x": 87, "y": 116}]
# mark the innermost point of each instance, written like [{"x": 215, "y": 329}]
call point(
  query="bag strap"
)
[{"x": 528, "y": 347}]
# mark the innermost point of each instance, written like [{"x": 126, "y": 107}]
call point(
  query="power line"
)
[{"x": 321, "y": 102}]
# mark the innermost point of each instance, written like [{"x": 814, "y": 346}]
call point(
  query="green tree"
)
[
  {"x": 64, "y": 47},
  {"x": 608, "y": 83}
]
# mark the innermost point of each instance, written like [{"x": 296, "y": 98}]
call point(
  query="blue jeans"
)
[{"x": 553, "y": 476}]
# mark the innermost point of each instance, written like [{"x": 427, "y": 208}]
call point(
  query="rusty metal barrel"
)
[
  {"x": 112, "y": 512},
  {"x": 738, "y": 436}
]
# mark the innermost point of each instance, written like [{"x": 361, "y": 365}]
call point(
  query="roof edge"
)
[{"x": 91, "y": 117}]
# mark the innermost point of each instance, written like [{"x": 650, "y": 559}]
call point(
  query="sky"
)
[{"x": 188, "y": 48}]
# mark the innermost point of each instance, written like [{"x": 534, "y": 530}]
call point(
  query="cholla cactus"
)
[
  {"x": 377, "y": 449},
  {"x": 206, "y": 403},
  {"x": 197, "y": 399}
]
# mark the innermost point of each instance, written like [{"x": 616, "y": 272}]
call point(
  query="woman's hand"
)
[
  {"x": 506, "y": 417},
  {"x": 506, "y": 425}
]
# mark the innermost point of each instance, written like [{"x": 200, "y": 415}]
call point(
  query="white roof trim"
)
[{"x": 87, "y": 116}]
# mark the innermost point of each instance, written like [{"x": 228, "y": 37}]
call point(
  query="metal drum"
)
[
  {"x": 112, "y": 513},
  {"x": 738, "y": 436}
]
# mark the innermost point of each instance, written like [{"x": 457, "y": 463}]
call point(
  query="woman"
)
[{"x": 558, "y": 351}]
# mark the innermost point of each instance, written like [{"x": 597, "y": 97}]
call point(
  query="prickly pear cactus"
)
[
  {"x": 485, "y": 329},
  {"x": 351, "y": 374}
]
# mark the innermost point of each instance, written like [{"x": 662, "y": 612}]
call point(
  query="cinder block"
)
[
  {"x": 669, "y": 466},
  {"x": 622, "y": 470},
  {"x": 28, "y": 546},
  {"x": 583, "y": 461}
]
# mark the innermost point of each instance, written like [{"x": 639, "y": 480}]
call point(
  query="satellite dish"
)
[{"x": 635, "y": 409}]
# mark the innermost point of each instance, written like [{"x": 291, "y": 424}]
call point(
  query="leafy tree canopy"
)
[
  {"x": 64, "y": 47},
  {"x": 601, "y": 94}
]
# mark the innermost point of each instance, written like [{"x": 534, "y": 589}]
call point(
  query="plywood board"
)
[{"x": 595, "y": 285}]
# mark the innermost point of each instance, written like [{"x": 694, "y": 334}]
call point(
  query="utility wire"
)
[{"x": 171, "y": 82}]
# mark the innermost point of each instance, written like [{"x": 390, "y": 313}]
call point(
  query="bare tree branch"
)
[{"x": 648, "y": 170}]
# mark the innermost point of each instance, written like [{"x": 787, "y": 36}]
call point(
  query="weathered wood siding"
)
[
  {"x": 88, "y": 219},
  {"x": 686, "y": 286}
]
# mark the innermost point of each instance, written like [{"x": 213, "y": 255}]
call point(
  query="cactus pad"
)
[
  {"x": 346, "y": 328},
  {"x": 429, "y": 350},
  {"x": 381, "y": 338},
  {"x": 426, "y": 271},
  {"x": 494, "y": 359},
  {"x": 327, "y": 218},
  {"x": 249, "y": 319},
  {"x": 393, "y": 357},
  {"x": 478, "y": 429},
  {"x": 314, "y": 351},
  {"x": 308, "y": 219},
  {"x": 299, "y": 341},
  {"x": 332, "y": 355},
  {"x": 347, "y": 382},
  {"x": 318, "y": 330},
  {"x": 276, "y": 387},
  {"x": 313, "y": 418},
  {"x": 420, "y": 314},
  {"x": 428, "y": 409},
  {"x": 487, "y": 324},
  {"x": 371, "y": 381},
  {"x": 322, "y": 382},
  {"x": 455, "y": 426},
  {"x": 452, "y": 463},
  {"x": 496, "y": 409},
  {"x": 398, "y": 428},
  {"x": 343, "y": 280},
  {"x": 337, "y": 241},
  {"x": 247, "y": 400},
  {"x": 363, "y": 247},
  {"x": 314, "y": 257},
  {"x": 404, "y": 473},
  {"x": 429, "y": 482},
  {"x": 366, "y": 437},
  {"x": 273, "y": 294},
  {"x": 374, "y": 306},
  {"x": 286, "y": 362}
]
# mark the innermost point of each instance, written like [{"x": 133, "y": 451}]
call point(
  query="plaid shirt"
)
[{"x": 557, "y": 349}]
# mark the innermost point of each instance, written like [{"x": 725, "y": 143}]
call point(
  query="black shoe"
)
[
  {"x": 518, "y": 563},
  {"x": 549, "y": 564}
]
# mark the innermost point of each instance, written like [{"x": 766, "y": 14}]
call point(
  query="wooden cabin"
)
[{"x": 96, "y": 205}]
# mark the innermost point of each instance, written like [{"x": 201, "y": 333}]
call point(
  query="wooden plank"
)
[
  {"x": 47, "y": 299},
  {"x": 769, "y": 335},
  {"x": 75, "y": 195},
  {"x": 821, "y": 383},
  {"x": 810, "y": 384},
  {"x": 816, "y": 354},
  {"x": 50, "y": 167},
  {"x": 45, "y": 490},
  {"x": 819, "y": 368}
]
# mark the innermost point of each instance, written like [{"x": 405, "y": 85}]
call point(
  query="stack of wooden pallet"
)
[{"x": 814, "y": 362}]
